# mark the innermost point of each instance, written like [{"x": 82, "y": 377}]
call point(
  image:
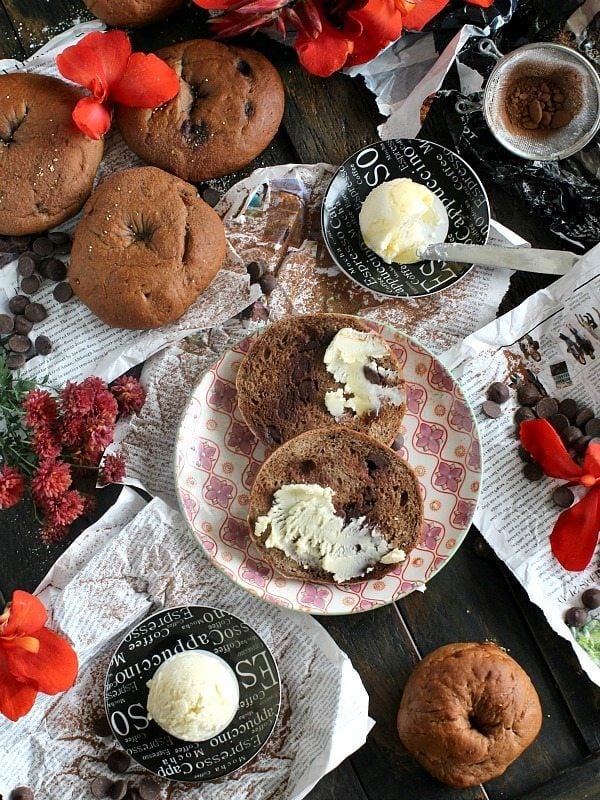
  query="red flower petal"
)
[
  {"x": 215, "y": 5},
  {"x": 16, "y": 699},
  {"x": 381, "y": 23},
  {"x": 422, "y": 13},
  {"x": 540, "y": 439},
  {"x": 147, "y": 82},
  {"x": 575, "y": 534},
  {"x": 91, "y": 117},
  {"x": 97, "y": 62},
  {"x": 591, "y": 464},
  {"x": 52, "y": 669},
  {"x": 27, "y": 615},
  {"x": 481, "y": 3},
  {"x": 326, "y": 53}
]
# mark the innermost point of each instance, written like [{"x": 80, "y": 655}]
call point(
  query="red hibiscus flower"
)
[
  {"x": 104, "y": 64},
  {"x": 575, "y": 533},
  {"x": 32, "y": 658},
  {"x": 330, "y": 34}
]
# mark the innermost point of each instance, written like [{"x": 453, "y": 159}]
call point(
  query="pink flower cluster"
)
[{"x": 66, "y": 433}]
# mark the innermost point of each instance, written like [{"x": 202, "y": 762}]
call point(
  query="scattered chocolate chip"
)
[
  {"x": 20, "y": 243},
  {"x": 306, "y": 389},
  {"x": 267, "y": 283},
  {"x": 546, "y": 407},
  {"x": 245, "y": 68},
  {"x": 119, "y": 790},
  {"x": 21, "y": 793},
  {"x": 35, "y": 312},
  {"x": 592, "y": 427},
  {"x": 571, "y": 434},
  {"x": 256, "y": 269},
  {"x": 533, "y": 471},
  {"x": 481, "y": 548},
  {"x": 580, "y": 446},
  {"x": 211, "y": 196},
  {"x": 523, "y": 414},
  {"x": 26, "y": 265},
  {"x": 6, "y": 245},
  {"x": 59, "y": 237},
  {"x": 563, "y": 497},
  {"x": 62, "y": 292},
  {"x": 102, "y": 727},
  {"x": 18, "y": 303},
  {"x": 54, "y": 269},
  {"x": 148, "y": 789},
  {"x": 7, "y": 323},
  {"x": 491, "y": 409},
  {"x": 30, "y": 285},
  {"x": 583, "y": 417},
  {"x": 528, "y": 394},
  {"x": 118, "y": 761},
  {"x": 559, "y": 422},
  {"x": 15, "y": 360},
  {"x": 591, "y": 598},
  {"x": 498, "y": 392},
  {"x": 22, "y": 324},
  {"x": 373, "y": 376},
  {"x": 576, "y": 617},
  {"x": 375, "y": 460},
  {"x": 569, "y": 408},
  {"x": 43, "y": 345},
  {"x": 42, "y": 246},
  {"x": 101, "y": 787},
  {"x": 19, "y": 344},
  {"x": 398, "y": 442},
  {"x": 525, "y": 455}
]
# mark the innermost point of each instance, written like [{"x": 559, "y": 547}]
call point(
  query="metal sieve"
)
[{"x": 545, "y": 61}]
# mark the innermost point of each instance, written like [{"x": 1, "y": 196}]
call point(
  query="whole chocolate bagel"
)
[{"x": 467, "y": 712}]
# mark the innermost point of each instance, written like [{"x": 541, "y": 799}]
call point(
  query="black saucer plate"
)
[
  {"x": 430, "y": 164},
  {"x": 181, "y": 629}
]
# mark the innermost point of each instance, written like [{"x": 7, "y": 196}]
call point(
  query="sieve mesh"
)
[{"x": 578, "y": 82}]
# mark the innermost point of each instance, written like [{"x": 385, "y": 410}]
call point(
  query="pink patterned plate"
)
[{"x": 217, "y": 458}]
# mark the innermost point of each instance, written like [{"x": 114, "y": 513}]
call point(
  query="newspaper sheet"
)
[
  {"x": 82, "y": 344},
  {"x": 106, "y": 582},
  {"x": 553, "y": 339}
]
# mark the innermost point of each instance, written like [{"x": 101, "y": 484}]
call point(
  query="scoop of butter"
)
[
  {"x": 193, "y": 695},
  {"x": 400, "y": 216}
]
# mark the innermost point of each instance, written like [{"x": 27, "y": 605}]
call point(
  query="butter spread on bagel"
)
[
  {"x": 351, "y": 358},
  {"x": 304, "y": 525}
]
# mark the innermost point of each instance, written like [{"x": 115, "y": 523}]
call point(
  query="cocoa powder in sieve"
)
[{"x": 538, "y": 104}]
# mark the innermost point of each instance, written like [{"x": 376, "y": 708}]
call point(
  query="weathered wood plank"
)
[
  {"x": 468, "y": 601},
  {"x": 37, "y": 21},
  {"x": 10, "y": 47},
  {"x": 579, "y": 693},
  {"x": 580, "y": 782},
  {"x": 341, "y": 784}
]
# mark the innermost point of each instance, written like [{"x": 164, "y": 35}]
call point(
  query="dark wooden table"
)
[{"x": 473, "y": 598}]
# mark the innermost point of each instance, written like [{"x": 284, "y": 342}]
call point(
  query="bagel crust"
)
[{"x": 467, "y": 712}]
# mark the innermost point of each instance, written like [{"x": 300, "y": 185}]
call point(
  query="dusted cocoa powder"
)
[{"x": 533, "y": 103}]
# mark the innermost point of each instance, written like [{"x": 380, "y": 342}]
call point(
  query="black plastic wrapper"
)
[
  {"x": 564, "y": 194},
  {"x": 558, "y": 192}
]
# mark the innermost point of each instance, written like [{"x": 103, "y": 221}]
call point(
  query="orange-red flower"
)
[
  {"x": 32, "y": 658},
  {"x": 575, "y": 534},
  {"x": 12, "y": 486},
  {"x": 104, "y": 64},
  {"x": 330, "y": 34}
]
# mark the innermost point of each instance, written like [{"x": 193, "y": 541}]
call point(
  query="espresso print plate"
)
[
  {"x": 217, "y": 458},
  {"x": 430, "y": 164},
  {"x": 150, "y": 644}
]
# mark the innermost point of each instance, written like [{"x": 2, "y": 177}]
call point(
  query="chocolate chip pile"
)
[
  {"x": 536, "y": 104},
  {"x": 577, "y": 616},
  {"x": 577, "y": 427},
  {"x": 257, "y": 270},
  {"x": 37, "y": 262}
]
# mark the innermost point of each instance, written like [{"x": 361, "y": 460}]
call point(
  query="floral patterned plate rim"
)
[{"x": 217, "y": 457}]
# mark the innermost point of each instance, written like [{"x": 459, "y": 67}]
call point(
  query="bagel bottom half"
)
[
  {"x": 370, "y": 487},
  {"x": 467, "y": 712}
]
